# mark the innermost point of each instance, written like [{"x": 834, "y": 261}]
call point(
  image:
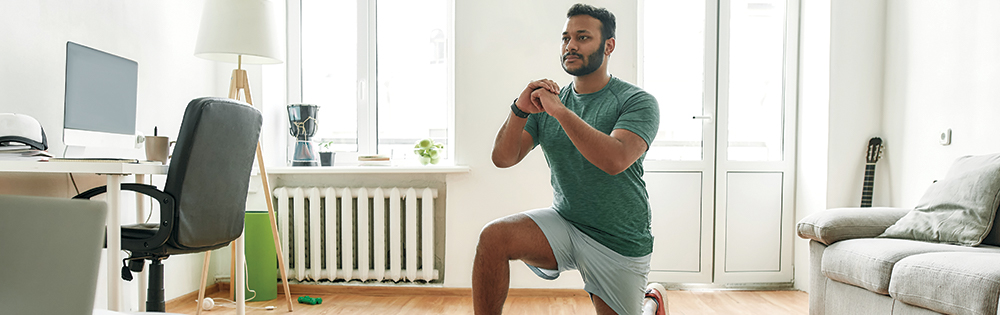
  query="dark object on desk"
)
[{"x": 203, "y": 202}]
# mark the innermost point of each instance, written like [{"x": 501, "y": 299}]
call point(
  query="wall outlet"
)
[{"x": 946, "y": 137}]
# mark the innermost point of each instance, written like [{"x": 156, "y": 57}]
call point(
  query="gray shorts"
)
[{"x": 620, "y": 281}]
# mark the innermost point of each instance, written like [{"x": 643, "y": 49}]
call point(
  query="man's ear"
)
[{"x": 609, "y": 46}]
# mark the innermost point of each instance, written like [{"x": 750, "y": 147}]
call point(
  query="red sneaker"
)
[{"x": 656, "y": 292}]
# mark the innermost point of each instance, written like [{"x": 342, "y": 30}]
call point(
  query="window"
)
[{"x": 380, "y": 70}]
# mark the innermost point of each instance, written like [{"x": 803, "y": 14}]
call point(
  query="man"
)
[{"x": 595, "y": 133}]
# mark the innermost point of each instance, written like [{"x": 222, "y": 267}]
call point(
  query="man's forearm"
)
[
  {"x": 604, "y": 151},
  {"x": 507, "y": 146}
]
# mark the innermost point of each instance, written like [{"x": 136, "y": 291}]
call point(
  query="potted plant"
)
[
  {"x": 326, "y": 153},
  {"x": 427, "y": 150}
]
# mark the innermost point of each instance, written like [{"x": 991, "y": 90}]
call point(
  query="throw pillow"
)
[{"x": 958, "y": 209}]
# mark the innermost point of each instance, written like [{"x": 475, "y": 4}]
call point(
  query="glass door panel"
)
[
  {"x": 674, "y": 59},
  {"x": 756, "y": 80}
]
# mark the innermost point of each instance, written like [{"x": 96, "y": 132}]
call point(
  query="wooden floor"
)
[{"x": 388, "y": 300}]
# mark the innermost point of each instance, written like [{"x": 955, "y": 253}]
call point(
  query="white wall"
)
[
  {"x": 813, "y": 123},
  {"x": 942, "y": 71},
  {"x": 840, "y": 109},
  {"x": 159, "y": 35},
  {"x": 500, "y": 47},
  {"x": 856, "y": 65}
]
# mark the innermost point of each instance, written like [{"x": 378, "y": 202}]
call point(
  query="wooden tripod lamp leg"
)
[
  {"x": 232, "y": 270},
  {"x": 204, "y": 276},
  {"x": 238, "y": 82}
]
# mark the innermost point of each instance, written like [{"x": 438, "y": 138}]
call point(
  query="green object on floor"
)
[
  {"x": 310, "y": 300},
  {"x": 261, "y": 258}
]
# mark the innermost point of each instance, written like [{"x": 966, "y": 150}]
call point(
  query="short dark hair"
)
[{"x": 601, "y": 14}]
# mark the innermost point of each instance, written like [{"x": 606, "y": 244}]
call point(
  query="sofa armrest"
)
[{"x": 839, "y": 224}]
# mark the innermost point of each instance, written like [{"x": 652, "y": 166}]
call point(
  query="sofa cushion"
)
[
  {"x": 950, "y": 283},
  {"x": 958, "y": 209},
  {"x": 868, "y": 263}
]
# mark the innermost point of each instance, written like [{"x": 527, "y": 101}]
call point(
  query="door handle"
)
[
  {"x": 702, "y": 117},
  {"x": 362, "y": 90}
]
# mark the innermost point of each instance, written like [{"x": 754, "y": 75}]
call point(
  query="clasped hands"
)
[{"x": 540, "y": 96}]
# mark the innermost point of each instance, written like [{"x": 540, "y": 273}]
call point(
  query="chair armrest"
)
[
  {"x": 839, "y": 224},
  {"x": 168, "y": 208},
  {"x": 148, "y": 190}
]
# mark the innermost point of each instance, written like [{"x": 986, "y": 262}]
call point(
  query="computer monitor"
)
[{"x": 100, "y": 102}]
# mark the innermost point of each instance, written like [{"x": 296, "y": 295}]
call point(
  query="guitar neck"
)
[{"x": 869, "y": 185}]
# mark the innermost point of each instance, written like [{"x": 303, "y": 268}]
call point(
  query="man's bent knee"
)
[
  {"x": 495, "y": 236},
  {"x": 516, "y": 237}
]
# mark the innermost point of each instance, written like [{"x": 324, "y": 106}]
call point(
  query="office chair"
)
[{"x": 202, "y": 205}]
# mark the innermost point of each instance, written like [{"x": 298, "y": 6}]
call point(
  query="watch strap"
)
[{"x": 517, "y": 111}]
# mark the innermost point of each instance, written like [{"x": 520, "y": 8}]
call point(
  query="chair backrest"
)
[
  {"x": 210, "y": 171},
  {"x": 50, "y": 253}
]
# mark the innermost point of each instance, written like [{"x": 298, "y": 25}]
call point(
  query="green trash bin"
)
[{"x": 261, "y": 258}]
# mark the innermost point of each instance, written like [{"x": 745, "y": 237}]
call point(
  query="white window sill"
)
[{"x": 354, "y": 169}]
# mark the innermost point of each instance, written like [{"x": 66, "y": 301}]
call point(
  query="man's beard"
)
[{"x": 594, "y": 62}]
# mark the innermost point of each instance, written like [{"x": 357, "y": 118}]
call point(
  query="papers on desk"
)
[
  {"x": 95, "y": 160},
  {"x": 22, "y": 153}
]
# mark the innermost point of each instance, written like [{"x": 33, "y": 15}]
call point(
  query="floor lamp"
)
[{"x": 243, "y": 31}]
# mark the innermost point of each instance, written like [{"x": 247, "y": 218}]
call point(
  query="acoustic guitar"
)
[{"x": 874, "y": 153}]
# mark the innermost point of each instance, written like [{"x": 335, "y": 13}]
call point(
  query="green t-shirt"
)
[{"x": 613, "y": 210}]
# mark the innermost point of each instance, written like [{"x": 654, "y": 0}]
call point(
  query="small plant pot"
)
[{"x": 326, "y": 158}]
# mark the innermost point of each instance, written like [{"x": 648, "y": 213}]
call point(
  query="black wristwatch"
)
[{"x": 517, "y": 111}]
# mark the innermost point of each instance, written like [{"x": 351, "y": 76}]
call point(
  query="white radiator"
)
[{"x": 379, "y": 237}]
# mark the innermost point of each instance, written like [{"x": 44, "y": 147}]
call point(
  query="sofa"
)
[{"x": 940, "y": 257}]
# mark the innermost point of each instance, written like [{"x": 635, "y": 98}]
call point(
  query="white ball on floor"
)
[{"x": 207, "y": 304}]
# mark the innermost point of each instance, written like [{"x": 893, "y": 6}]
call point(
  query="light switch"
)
[{"x": 946, "y": 137}]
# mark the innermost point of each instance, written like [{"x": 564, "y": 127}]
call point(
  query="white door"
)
[{"x": 720, "y": 172}]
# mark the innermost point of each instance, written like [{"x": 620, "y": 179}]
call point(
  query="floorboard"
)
[{"x": 396, "y": 300}]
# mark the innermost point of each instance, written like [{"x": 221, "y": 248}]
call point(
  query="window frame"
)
[{"x": 367, "y": 81}]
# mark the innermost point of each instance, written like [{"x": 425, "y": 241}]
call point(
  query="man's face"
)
[{"x": 582, "y": 47}]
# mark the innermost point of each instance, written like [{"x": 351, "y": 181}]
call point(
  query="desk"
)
[
  {"x": 114, "y": 172},
  {"x": 107, "y": 312}
]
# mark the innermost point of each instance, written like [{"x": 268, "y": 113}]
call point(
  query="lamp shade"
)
[{"x": 234, "y": 28}]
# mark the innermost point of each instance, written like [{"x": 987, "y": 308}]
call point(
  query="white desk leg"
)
[
  {"x": 140, "y": 217},
  {"x": 241, "y": 301},
  {"x": 114, "y": 242}
]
